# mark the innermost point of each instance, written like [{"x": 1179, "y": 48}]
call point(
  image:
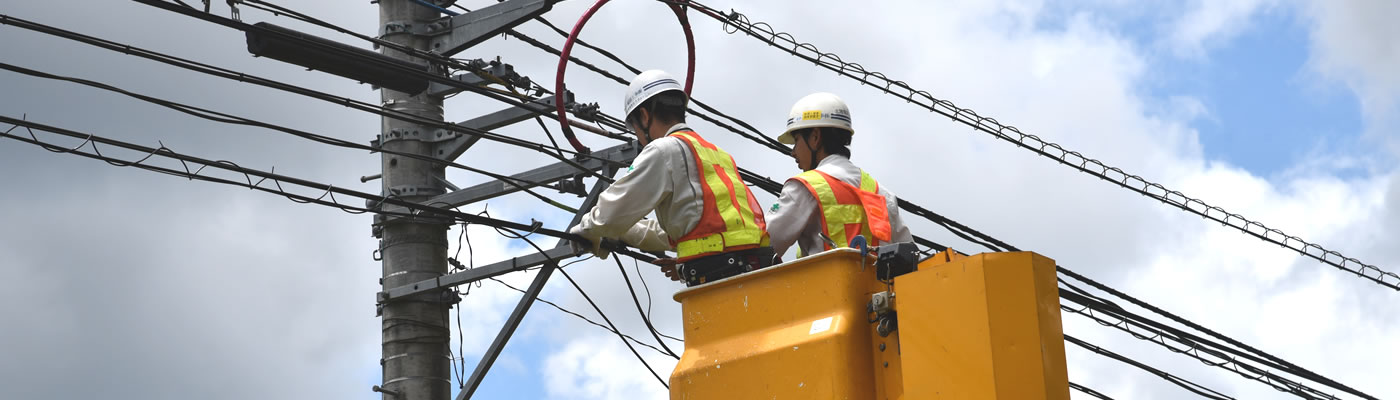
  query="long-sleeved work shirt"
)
[
  {"x": 662, "y": 178},
  {"x": 797, "y": 216}
]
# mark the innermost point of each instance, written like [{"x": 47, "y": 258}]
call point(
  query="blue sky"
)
[{"x": 1265, "y": 110}]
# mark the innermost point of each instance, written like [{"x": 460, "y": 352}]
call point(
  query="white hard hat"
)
[
  {"x": 644, "y": 86},
  {"x": 817, "y": 110}
]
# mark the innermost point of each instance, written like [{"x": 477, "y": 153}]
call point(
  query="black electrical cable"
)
[
  {"x": 471, "y": 254},
  {"x": 548, "y": 134},
  {"x": 614, "y": 328},
  {"x": 956, "y": 232},
  {"x": 344, "y": 101},
  {"x": 280, "y": 10},
  {"x": 998, "y": 245},
  {"x": 277, "y": 179},
  {"x": 1088, "y": 391},
  {"x": 405, "y": 69},
  {"x": 764, "y": 183},
  {"x": 941, "y": 221},
  {"x": 1182, "y": 382},
  {"x": 786, "y": 42},
  {"x": 645, "y": 319},
  {"x": 1194, "y": 346},
  {"x": 1077, "y": 295},
  {"x": 637, "y": 267},
  {"x": 185, "y": 173},
  {"x": 521, "y": 102},
  {"x": 461, "y": 351},
  {"x": 758, "y": 137},
  {"x": 580, "y": 316},
  {"x": 237, "y": 120},
  {"x": 1284, "y": 364},
  {"x": 595, "y": 308},
  {"x": 945, "y": 226}
]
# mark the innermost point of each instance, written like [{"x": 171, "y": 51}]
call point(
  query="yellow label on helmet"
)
[{"x": 810, "y": 115}]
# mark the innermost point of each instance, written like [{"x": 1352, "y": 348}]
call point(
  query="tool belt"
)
[{"x": 720, "y": 266}]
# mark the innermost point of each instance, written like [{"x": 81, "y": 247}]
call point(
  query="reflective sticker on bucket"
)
[{"x": 819, "y": 326}]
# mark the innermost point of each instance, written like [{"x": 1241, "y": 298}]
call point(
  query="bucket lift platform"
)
[{"x": 985, "y": 326}]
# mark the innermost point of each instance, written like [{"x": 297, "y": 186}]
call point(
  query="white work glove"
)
[{"x": 594, "y": 244}]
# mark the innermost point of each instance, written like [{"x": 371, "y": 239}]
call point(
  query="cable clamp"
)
[{"x": 416, "y": 28}]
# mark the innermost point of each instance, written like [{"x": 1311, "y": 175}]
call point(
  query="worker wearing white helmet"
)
[
  {"x": 832, "y": 198},
  {"x": 704, "y": 211}
]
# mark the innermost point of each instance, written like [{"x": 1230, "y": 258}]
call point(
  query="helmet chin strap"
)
[
  {"x": 644, "y": 124},
  {"x": 651, "y": 116},
  {"x": 813, "y": 158}
]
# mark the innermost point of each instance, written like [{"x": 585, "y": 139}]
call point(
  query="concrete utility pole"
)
[{"x": 416, "y": 339}]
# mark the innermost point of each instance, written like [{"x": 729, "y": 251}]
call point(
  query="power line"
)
[
  {"x": 757, "y": 180},
  {"x": 760, "y": 181},
  {"x": 165, "y": 152},
  {"x": 1088, "y": 391},
  {"x": 1179, "y": 381},
  {"x": 757, "y": 135},
  {"x": 1280, "y": 363},
  {"x": 955, "y": 231},
  {"x": 330, "y": 191},
  {"x": 1274, "y": 362},
  {"x": 283, "y": 11},
  {"x": 1191, "y": 346},
  {"x": 514, "y": 99},
  {"x": 591, "y": 303},
  {"x": 645, "y": 318},
  {"x": 637, "y": 267},
  {"x": 764, "y": 183},
  {"x": 614, "y": 328},
  {"x": 997, "y": 245},
  {"x": 765, "y": 33},
  {"x": 585, "y": 319},
  {"x": 236, "y": 120},
  {"x": 231, "y": 119},
  {"x": 339, "y": 100},
  {"x": 947, "y": 223}
]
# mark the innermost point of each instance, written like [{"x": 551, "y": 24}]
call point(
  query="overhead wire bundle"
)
[
  {"x": 1230, "y": 354},
  {"x": 734, "y": 22}
]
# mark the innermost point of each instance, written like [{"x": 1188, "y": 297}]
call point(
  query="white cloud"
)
[
  {"x": 1206, "y": 24},
  {"x": 597, "y": 366},
  {"x": 1351, "y": 43}
]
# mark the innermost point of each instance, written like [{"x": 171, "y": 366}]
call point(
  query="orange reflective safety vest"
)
[
  {"x": 732, "y": 219},
  {"x": 848, "y": 211}
]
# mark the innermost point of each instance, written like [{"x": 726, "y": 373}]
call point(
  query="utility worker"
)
[
  {"x": 704, "y": 212},
  {"x": 832, "y": 200}
]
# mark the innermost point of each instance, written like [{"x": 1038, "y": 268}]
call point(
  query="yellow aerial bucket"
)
[{"x": 985, "y": 326}]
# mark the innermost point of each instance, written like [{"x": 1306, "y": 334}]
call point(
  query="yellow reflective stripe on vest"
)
[
  {"x": 718, "y": 173},
  {"x": 867, "y": 183},
  {"x": 838, "y": 215},
  {"x": 717, "y": 242}
]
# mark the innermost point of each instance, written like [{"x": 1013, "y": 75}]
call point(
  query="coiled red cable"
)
[{"x": 559, "y": 90}]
